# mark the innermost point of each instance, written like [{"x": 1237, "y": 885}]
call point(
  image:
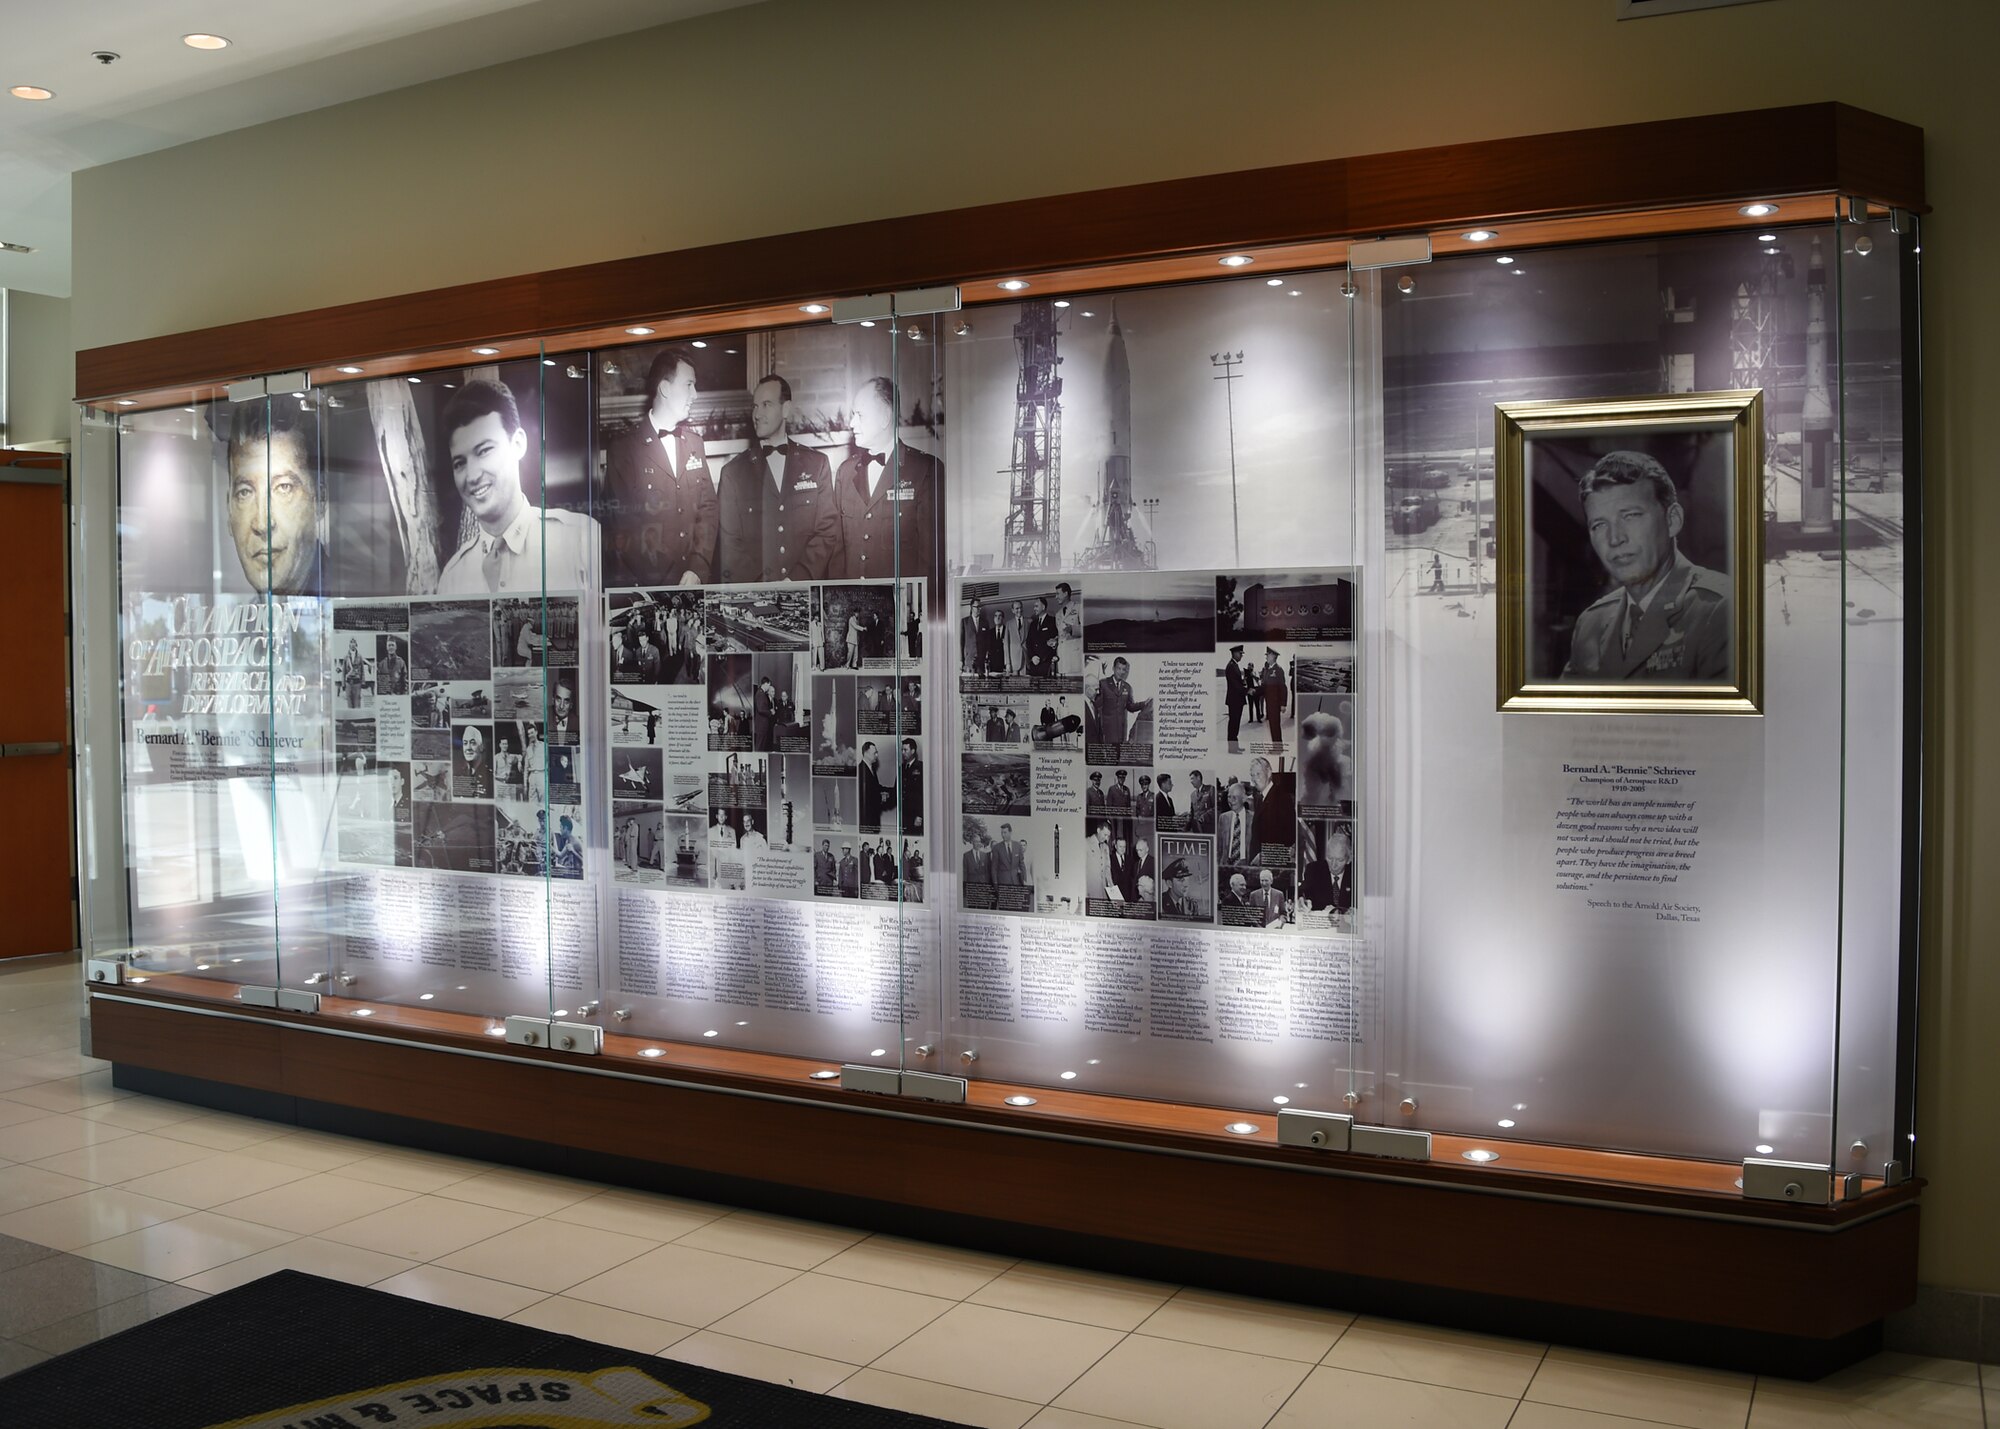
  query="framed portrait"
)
[{"x": 1631, "y": 547}]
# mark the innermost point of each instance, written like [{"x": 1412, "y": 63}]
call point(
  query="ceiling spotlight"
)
[
  {"x": 1013, "y": 285},
  {"x": 640, "y": 331},
  {"x": 548, "y": 362},
  {"x": 1281, "y": 1101},
  {"x": 16, "y": 247},
  {"x": 1767, "y": 238},
  {"x": 1503, "y": 260},
  {"x": 205, "y": 42},
  {"x": 1235, "y": 260},
  {"x": 425, "y": 996},
  {"x": 1758, "y": 210},
  {"x": 867, "y": 322},
  {"x": 351, "y": 370},
  {"x": 1062, "y": 302},
  {"x": 414, "y": 381},
  {"x": 814, "y": 308},
  {"x": 1069, "y": 1076},
  {"x": 697, "y": 343},
  {"x": 487, "y": 351},
  {"x": 824, "y": 1075},
  {"x": 496, "y": 1032},
  {"x": 127, "y": 402},
  {"x": 1274, "y": 282},
  {"x": 1479, "y": 235},
  {"x": 31, "y": 91}
]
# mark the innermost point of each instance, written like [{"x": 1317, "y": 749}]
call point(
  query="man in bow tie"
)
[
  {"x": 886, "y": 493},
  {"x": 659, "y": 498},
  {"x": 776, "y": 500}
]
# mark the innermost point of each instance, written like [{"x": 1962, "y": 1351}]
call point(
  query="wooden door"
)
[{"x": 36, "y": 846}]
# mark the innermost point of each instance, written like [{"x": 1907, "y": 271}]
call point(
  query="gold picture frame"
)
[{"x": 1619, "y": 602}]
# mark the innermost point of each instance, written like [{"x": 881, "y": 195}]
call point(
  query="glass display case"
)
[{"x": 1443, "y": 702}]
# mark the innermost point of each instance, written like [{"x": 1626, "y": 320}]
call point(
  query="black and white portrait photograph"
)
[
  {"x": 636, "y": 774},
  {"x": 833, "y": 725},
  {"x": 1255, "y": 813},
  {"x": 995, "y": 782},
  {"x": 1630, "y": 551},
  {"x": 1326, "y": 873},
  {"x": 777, "y": 720},
  {"x": 1118, "y": 718},
  {"x": 1120, "y": 869},
  {"x": 450, "y": 640},
  {"x": 1187, "y": 879},
  {"x": 761, "y": 619},
  {"x": 1253, "y": 896},
  {"x": 564, "y": 787},
  {"x": 1019, "y": 635},
  {"x": 889, "y": 703},
  {"x": 636, "y": 850},
  {"x": 1183, "y": 800},
  {"x": 458, "y": 837},
  {"x": 392, "y": 664},
  {"x": 353, "y": 677},
  {"x": 1326, "y": 754},
  {"x": 534, "y": 631},
  {"x": 472, "y": 761},
  {"x": 853, "y": 627},
  {"x": 656, "y": 637}
]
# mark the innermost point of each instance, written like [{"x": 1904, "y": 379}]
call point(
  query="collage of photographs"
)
[
  {"x": 769, "y": 738},
  {"x": 457, "y": 735},
  {"x": 1171, "y": 747}
]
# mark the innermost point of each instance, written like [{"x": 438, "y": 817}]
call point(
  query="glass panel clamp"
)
[
  {"x": 1801, "y": 1182},
  {"x": 1319, "y": 1130},
  {"x": 1398, "y": 1142}
]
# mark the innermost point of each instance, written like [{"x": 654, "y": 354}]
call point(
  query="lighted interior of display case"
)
[{"x": 1087, "y": 692}]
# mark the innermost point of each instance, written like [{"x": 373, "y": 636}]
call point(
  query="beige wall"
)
[
  {"x": 798, "y": 113},
  {"x": 41, "y": 369}
]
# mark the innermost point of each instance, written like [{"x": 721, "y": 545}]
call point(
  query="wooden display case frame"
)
[{"x": 1591, "y": 1247}]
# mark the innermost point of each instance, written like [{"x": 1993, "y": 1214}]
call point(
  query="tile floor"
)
[{"x": 115, "y": 1208}]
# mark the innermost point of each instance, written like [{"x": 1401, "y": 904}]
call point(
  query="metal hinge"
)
[
  {"x": 1398, "y": 1142},
  {"x": 1320, "y": 1130},
  {"x": 1804, "y": 1183}
]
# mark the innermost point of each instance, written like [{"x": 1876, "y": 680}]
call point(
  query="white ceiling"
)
[{"x": 285, "y": 57}]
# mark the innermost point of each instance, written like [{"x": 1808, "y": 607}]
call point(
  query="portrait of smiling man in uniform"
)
[
  {"x": 510, "y": 535},
  {"x": 1664, "y": 618}
]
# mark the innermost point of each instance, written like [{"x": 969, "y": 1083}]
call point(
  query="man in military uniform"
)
[
  {"x": 1668, "y": 618},
  {"x": 511, "y": 536},
  {"x": 659, "y": 501},
  {"x": 776, "y": 503},
  {"x": 391, "y": 670},
  {"x": 1177, "y": 902},
  {"x": 886, "y": 496}
]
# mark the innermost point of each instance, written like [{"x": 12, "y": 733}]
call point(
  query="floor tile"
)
[
  {"x": 71, "y": 1093},
  {"x": 91, "y": 1216},
  {"x": 547, "y": 1255},
  {"x": 17, "y": 1251},
  {"x": 661, "y": 1218},
  {"x": 225, "y": 1176},
  {"x": 603, "y": 1324},
  {"x": 1053, "y": 1418},
  {"x": 93, "y": 1325},
  {"x": 439, "y": 1286},
  {"x": 834, "y": 1319},
  {"x": 776, "y": 1240},
  {"x": 30, "y": 1186},
  {"x": 1669, "y": 1394},
  {"x": 1341, "y": 1399},
  {"x": 1452, "y": 1358},
  {"x": 140, "y": 1113},
  {"x": 59, "y": 1286},
  {"x": 411, "y": 1171},
  {"x": 32, "y": 1140},
  {"x": 940, "y": 1401},
  {"x": 316, "y": 1151},
  {"x": 308, "y": 1253},
  {"x": 1001, "y": 1352},
  {"x": 1858, "y": 1399},
  {"x": 222, "y": 1132},
  {"x": 12, "y": 1113},
  {"x": 774, "y": 1366},
  {"x": 312, "y": 1203},
  {"x": 126, "y": 1159},
  {"x": 174, "y": 1250},
  {"x": 1258, "y": 1327},
  {"x": 55, "y": 1066},
  {"x": 1554, "y": 1416},
  {"x": 424, "y": 1228},
  {"x": 1111, "y": 1301},
  {"x": 914, "y": 1265},
  {"x": 1180, "y": 1386},
  {"x": 681, "y": 1284},
  {"x": 521, "y": 1191},
  {"x": 1914, "y": 1366}
]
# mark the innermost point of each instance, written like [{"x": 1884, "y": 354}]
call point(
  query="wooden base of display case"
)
[{"x": 1657, "y": 1270}]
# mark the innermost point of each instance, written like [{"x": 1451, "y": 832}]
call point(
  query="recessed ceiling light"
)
[
  {"x": 1088, "y": 313},
  {"x": 205, "y": 42},
  {"x": 1767, "y": 238},
  {"x": 351, "y": 370},
  {"x": 364, "y": 1012},
  {"x": 1062, "y": 302},
  {"x": 1763, "y": 1150},
  {"x": 1503, "y": 260},
  {"x": 867, "y": 322},
  {"x": 16, "y": 247},
  {"x": 487, "y": 351},
  {"x": 1479, "y": 235},
  {"x": 825, "y": 1074},
  {"x": 640, "y": 331},
  {"x": 548, "y": 362},
  {"x": 1020, "y": 1101},
  {"x": 1013, "y": 285},
  {"x": 652, "y": 1052},
  {"x": 1506, "y": 1122},
  {"x": 1069, "y": 1076},
  {"x": 425, "y": 996},
  {"x": 1235, "y": 260},
  {"x": 812, "y": 307},
  {"x": 697, "y": 343},
  {"x": 1481, "y": 1155},
  {"x": 1773, "y": 248},
  {"x": 1757, "y": 210},
  {"x": 712, "y": 1032},
  {"x": 496, "y": 1032},
  {"x": 1281, "y": 1100},
  {"x": 1295, "y": 293},
  {"x": 127, "y": 402},
  {"x": 1241, "y": 1128},
  {"x": 31, "y": 91},
  {"x": 416, "y": 380},
  {"x": 1274, "y": 282}
]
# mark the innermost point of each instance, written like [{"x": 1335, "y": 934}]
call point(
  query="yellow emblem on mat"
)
[{"x": 497, "y": 1399}]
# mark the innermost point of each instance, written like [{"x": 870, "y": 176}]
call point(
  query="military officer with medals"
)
[
  {"x": 513, "y": 541},
  {"x": 659, "y": 499},
  {"x": 886, "y": 495},
  {"x": 776, "y": 501},
  {"x": 1668, "y": 618}
]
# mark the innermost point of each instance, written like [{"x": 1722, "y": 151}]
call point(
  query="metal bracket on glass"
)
[
  {"x": 1893, "y": 1173},
  {"x": 584, "y": 1038},
  {"x": 933, "y": 1087},
  {"x": 1394, "y": 1141},
  {"x": 257, "y": 996},
  {"x": 528, "y": 1031},
  {"x": 875, "y": 308},
  {"x": 1320, "y": 1130},
  {"x": 292, "y": 999},
  {"x": 914, "y": 302},
  {"x": 1855, "y": 209},
  {"x": 885, "y": 1081},
  {"x": 276, "y": 384},
  {"x": 104, "y": 970},
  {"x": 1851, "y": 1187},
  {"x": 1389, "y": 252},
  {"x": 1803, "y": 1183}
]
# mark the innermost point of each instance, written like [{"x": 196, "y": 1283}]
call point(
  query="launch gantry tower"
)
[{"x": 1033, "y": 537}]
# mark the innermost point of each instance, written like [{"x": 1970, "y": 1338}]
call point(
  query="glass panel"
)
[
  {"x": 1870, "y": 302},
  {"x": 1155, "y": 656},
  {"x": 1613, "y": 931},
  {"x": 198, "y": 547}
]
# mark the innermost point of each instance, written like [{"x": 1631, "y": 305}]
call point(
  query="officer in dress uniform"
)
[
  {"x": 887, "y": 495},
  {"x": 776, "y": 501},
  {"x": 659, "y": 501},
  {"x": 511, "y": 536},
  {"x": 1668, "y": 618}
]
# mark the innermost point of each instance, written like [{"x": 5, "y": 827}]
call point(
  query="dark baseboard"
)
[{"x": 1792, "y": 1357}]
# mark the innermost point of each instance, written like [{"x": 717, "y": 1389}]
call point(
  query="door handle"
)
[{"x": 20, "y": 751}]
